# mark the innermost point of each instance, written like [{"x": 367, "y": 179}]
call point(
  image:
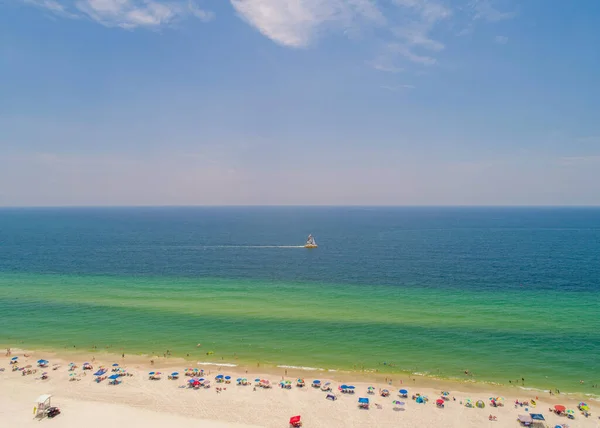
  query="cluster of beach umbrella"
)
[
  {"x": 198, "y": 382},
  {"x": 154, "y": 375},
  {"x": 497, "y": 401},
  {"x": 347, "y": 389}
]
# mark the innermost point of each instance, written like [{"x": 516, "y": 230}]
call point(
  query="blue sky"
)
[{"x": 394, "y": 102}]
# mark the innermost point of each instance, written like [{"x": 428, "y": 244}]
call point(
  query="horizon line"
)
[{"x": 306, "y": 206}]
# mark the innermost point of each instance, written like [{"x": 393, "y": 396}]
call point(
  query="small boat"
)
[{"x": 310, "y": 242}]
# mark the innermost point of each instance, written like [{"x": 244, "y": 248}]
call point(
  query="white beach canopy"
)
[{"x": 41, "y": 400}]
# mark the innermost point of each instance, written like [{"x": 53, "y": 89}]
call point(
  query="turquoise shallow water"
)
[{"x": 504, "y": 293}]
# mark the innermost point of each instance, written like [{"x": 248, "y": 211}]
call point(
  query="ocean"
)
[{"x": 505, "y": 293}]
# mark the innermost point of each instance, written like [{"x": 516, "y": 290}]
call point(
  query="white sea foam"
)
[
  {"x": 302, "y": 368},
  {"x": 200, "y": 363}
]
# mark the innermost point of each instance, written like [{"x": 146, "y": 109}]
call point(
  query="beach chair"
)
[{"x": 331, "y": 397}]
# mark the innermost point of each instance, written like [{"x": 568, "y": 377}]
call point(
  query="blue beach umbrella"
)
[
  {"x": 350, "y": 387},
  {"x": 219, "y": 376},
  {"x": 344, "y": 386},
  {"x": 115, "y": 365},
  {"x": 113, "y": 377},
  {"x": 256, "y": 380},
  {"x": 151, "y": 373},
  {"x": 403, "y": 391},
  {"x": 201, "y": 379},
  {"x": 192, "y": 380},
  {"x": 42, "y": 361},
  {"x": 316, "y": 381},
  {"x": 14, "y": 358},
  {"x": 363, "y": 400},
  {"x": 175, "y": 374},
  {"x": 227, "y": 377}
]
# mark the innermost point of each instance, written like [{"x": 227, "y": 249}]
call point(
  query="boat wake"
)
[{"x": 253, "y": 246}]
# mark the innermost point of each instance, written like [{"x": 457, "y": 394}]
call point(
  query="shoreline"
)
[
  {"x": 139, "y": 401},
  {"x": 392, "y": 379}
]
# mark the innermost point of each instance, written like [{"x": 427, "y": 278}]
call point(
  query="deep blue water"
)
[{"x": 425, "y": 247}]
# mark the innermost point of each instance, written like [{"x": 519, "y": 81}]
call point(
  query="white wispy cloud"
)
[
  {"x": 407, "y": 24},
  {"x": 127, "y": 14},
  {"x": 52, "y": 6},
  {"x": 295, "y": 23},
  {"x": 501, "y": 40},
  {"x": 487, "y": 10},
  {"x": 397, "y": 88}
]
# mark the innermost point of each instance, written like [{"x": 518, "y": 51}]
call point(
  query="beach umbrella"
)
[
  {"x": 583, "y": 406},
  {"x": 14, "y": 358},
  {"x": 439, "y": 401},
  {"x": 294, "y": 420},
  {"x": 219, "y": 376},
  {"x": 192, "y": 380},
  {"x": 403, "y": 391},
  {"x": 370, "y": 388},
  {"x": 256, "y": 380},
  {"x": 316, "y": 382},
  {"x": 570, "y": 412},
  {"x": 201, "y": 379},
  {"x": 99, "y": 373},
  {"x": 363, "y": 400},
  {"x": 113, "y": 377},
  {"x": 71, "y": 364},
  {"x": 560, "y": 408},
  {"x": 175, "y": 374},
  {"x": 445, "y": 393},
  {"x": 151, "y": 373},
  {"x": 227, "y": 377},
  {"x": 115, "y": 365},
  {"x": 350, "y": 387}
]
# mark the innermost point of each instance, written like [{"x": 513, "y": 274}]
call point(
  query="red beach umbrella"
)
[
  {"x": 294, "y": 420},
  {"x": 560, "y": 408},
  {"x": 439, "y": 401}
]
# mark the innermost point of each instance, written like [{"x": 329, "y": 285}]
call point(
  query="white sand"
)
[{"x": 140, "y": 402}]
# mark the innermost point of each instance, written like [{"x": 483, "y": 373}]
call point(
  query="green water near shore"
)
[{"x": 549, "y": 337}]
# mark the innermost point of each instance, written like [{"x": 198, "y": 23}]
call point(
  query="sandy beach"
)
[{"x": 139, "y": 401}]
